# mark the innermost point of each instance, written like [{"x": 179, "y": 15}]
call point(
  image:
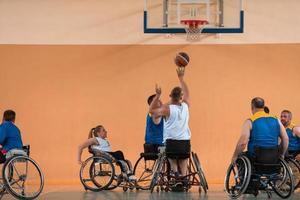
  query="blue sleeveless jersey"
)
[
  {"x": 294, "y": 141},
  {"x": 265, "y": 131},
  {"x": 154, "y": 132}
]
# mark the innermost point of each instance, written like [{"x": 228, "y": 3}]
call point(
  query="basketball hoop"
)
[{"x": 193, "y": 28}]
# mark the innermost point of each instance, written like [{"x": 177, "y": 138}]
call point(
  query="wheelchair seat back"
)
[
  {"x": 150, "y": 151},
  {"x": 266, "y": 160}
]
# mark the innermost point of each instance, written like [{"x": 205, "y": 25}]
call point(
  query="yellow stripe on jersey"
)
[{"x": 260, "y": 114}]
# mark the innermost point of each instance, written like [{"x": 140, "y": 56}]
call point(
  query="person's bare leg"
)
[
  {"x": 183, "y": 165},
  {"x": 173, "y": 165}
]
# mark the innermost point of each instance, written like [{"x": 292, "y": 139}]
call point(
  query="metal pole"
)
[{"x": 165, "y": 12}]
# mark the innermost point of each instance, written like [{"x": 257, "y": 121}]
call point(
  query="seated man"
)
[
  {"x": 10, "y": 135},
  {"x": 176, "y": 126},
  {"x": 261, "y": 130},
  {"x": 98, "y": 143},
  {"x": 154, "y": 130},
  {"x": 293, "y": 132}
]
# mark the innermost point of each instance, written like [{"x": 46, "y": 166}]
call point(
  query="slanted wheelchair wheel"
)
[
  {"x": 96, "y": 173},
  {"x": 238, "y": 177},
  {"x": 295, "y": 167},
  {"x": 200, "y": 171},
  {"x": 23, "y": 177},
  {"x": 143, "y": 170},
  {"x": 283, "y": 184},
  {"x": 156, "y": 173}
]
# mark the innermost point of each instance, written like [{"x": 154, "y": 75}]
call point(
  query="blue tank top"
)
[
  {"x": 265, "y": 131},
  {"x": 294, "y": 142},
  {"x": 10, "y": 136},
  {"x": 154, "y": 132}
]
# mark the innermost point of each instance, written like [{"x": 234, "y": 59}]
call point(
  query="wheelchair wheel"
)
[
  {"x": 143, "y": 170},
  {"x": 156, "y": 173},
  {"x": 23, "y": 177},
  {"x": 283, "y": 184},
  {"x": 96, "y": 173},
  {"x": 117, "y": 179},
  {"x": 295, "y": 167},
  {"x": 238, "y": 177},
  {"x": 200, "y": 171}
]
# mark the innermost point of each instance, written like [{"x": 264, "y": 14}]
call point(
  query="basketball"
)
[{"x": 182, "y": 59}]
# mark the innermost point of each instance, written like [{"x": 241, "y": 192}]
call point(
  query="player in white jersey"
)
[
  {"x": 97, "y": 142},
  {"x": 176, "y": 128}
]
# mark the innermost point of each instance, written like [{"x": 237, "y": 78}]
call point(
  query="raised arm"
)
[
  {"x": 284, "y": 140},
  {"x": 185, "y": 89},
  {"x": 86, "y": 144},
  {"x": 243, "y": 140},
  {"x": 156, "y": 109}
]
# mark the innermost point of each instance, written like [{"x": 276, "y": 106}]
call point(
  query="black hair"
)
[
  {"x": 9, "y": 115},
  {"x": 150, "y": 99},
  {"x": 258, "y": 102},
  {"x": 266, "y": 109}
]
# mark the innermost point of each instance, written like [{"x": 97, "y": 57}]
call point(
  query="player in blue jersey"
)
[
  {"x": 154, "y": 129},
  {"x": 10, "y": 135},
  {"x": 293, "y": 132},
  {"x": 261, "y": 130}
]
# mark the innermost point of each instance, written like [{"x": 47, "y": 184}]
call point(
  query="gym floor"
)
[{"x": 77, "y": 193}]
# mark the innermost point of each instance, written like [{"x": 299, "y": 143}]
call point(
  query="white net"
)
[{"x": 193, "y": 33}]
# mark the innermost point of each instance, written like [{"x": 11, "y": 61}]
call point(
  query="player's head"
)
[
  {"x": 176, "y": 95},
  {"x": 9, "y": 116},
  {"x": 150, "y": 99},
  {"x": 257, "y": 103},
  {"x": 286, "y": 117},
  {"x": 266, "y": 109},
  {"x": 98, "y": 131}
]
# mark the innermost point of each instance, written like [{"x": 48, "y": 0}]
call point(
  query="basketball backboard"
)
[{"x": 164, "y": 16}]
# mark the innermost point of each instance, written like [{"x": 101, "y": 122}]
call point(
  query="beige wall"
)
[
  {"x": 60, "y": 92},
  {"x": 121, "y": 22}
]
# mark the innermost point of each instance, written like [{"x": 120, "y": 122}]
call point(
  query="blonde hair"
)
[{"x": 93, "y": 132}]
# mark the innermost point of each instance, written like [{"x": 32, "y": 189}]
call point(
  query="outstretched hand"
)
[
  {"x": 157, "y": 90},
  {"x": 180, "y": 71}
]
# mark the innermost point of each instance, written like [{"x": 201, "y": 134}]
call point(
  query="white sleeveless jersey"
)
[
  {"x": 176, "y": 126},
  {"x": 103, "y": 145}
]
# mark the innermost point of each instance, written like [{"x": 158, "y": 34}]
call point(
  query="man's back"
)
[
  {"x": 10, "y": 136},
  {"x": 154, "y": 132},
  {"x": 265, "y": 131},
  {"x": 176, "y": 125}
]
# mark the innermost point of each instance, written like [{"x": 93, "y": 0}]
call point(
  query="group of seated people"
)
[
  {"x": 168, "y": 125},
  {"x": 264, "y": 130}
]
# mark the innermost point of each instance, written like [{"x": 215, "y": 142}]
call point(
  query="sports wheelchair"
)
[
  {"x": 162, "y": 180},
  {"x": 21, "y": 175},
  {"x": 143, "y": 168},
  {"x": 101, "y": 171},
  {"x": 295, "y": 167},
  {"x": 264, "y": 172}
]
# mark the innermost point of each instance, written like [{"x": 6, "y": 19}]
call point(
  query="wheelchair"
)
[
  {"x": 101, "y": 171},
  {"x": 21, "y": 175},
  {"x": 264, "y": 172},
  {"x": 162, "y": 180},
  {"x": 143, "y": 168},
  {"x": 295, "y": 167}
]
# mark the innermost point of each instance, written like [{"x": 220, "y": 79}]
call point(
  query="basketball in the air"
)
[{"x": 182, "y": 59}]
